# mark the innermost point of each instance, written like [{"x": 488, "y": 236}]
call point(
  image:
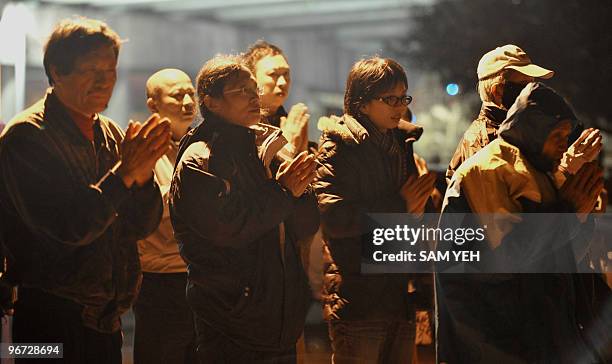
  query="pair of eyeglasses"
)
[
  {"x": 395, "y": 100},
  {"x": 246, "y": 91}
]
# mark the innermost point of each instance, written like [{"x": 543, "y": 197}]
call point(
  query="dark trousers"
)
[
  {"x": 44, "y": 318},
  {"x": 375, "y": 342},
  {"x": 214, "y": 347},
  {"x": 164, "y": 329}
]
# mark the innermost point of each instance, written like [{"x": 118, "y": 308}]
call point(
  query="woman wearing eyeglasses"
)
[{"x": 367, "y": 166}]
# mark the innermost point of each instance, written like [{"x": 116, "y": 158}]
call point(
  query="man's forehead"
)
[
  {"x": 101, "y": 53},
  {"x": 242, "y": 78},
  {"x": 168, "y": 79},
  {"x": 275, "y": 62},
  {"x": 177, "y": 84}
]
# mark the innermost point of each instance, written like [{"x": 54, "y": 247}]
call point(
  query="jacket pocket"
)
[{"x": 243, "y": 301}]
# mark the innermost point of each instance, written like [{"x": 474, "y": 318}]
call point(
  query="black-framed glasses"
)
[{"x": 395, "y": 100}]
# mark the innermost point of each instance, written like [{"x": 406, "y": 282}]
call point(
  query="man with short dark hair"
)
[
  {"x": 269, "y": 65},
  {"x": 164, "y": 331},
  {"x": 76, "y": 193}
]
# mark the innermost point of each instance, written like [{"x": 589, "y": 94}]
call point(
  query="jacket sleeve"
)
[
  {"x": 141, "y": 213},
  {"x": 523, "y": 234},
  {"x": 304, "y": 221},
  {"x": 343, "y": 207},
  {"x": 471, "y": 142},
  {"x": 51, "y": 203},
  {"x": 218, "y": 211}
]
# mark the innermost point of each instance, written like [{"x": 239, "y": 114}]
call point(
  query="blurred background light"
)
[{"x": 452, "y": 89}]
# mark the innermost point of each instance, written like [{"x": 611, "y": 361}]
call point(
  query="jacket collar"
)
[
  {"x": 274, "y": 119},
  {"x": 350, "y": 131},
  {"x": 240, "y": 134},
  {"x": 494, "y": 115},
  {"x": 62, "y": 119},
  {"x": 241, "y": 137}
]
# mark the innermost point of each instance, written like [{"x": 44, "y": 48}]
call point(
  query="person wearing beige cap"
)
[{"x": 502, "y": 74}]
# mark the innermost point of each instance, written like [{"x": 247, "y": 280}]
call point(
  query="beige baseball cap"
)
[{"x": 510, "y": 57}]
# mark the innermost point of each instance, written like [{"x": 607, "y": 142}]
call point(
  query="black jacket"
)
[{"x": 229, "y": 217}]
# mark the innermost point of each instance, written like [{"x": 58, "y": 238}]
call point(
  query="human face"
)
[
  {"x": 274, "y": 79},
  {"x": 556, "y": 142},
  {"x": 175, "y": 101},
  {"x": 383, "y": 115},
  {"x": 518, "y": 78},
  {"x": 509, "y": 90},
  {"x": 87, "y": 89},
  {"x": 239, "y": 103}
]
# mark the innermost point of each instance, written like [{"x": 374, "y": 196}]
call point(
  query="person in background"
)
[
  {"x": 271, "y": 69},
  {"x": 269, "y": 65},
  {"x": 164, "y": 330},
  {"x": 502, "y": 74}
]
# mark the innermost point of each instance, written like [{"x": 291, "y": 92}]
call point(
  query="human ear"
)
[
  {"x": 365, "y": 109},
  {"x": 211, "y": 103},
  {"x": 497, "y": 90},
  {"x": 152, "y": 105}
]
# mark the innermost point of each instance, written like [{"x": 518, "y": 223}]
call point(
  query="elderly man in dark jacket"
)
[
  {"x": 514, "y": 317},
  {"x": 236, "y": 225},
  {"x": 75, "y": 196}
]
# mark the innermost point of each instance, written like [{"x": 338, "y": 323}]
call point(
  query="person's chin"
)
[
  {"x": 99, "y": 103},
  {"x": 280, "y": 98},
  {"x": 251, "y": 119},
  {"x": 98, "y": 107},
  {"x": 187, "y": 118}
]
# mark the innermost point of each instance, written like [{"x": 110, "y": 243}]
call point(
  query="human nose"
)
[
  {"x": 282, "y": 81},
  {"x": 105, "y": 77},
  {"x": 188, "y": 100}
]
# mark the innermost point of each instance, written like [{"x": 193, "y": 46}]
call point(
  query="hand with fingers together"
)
[
  {"x": 582, "y": 189},
  {"x": 297, "y": 174},
  {"x": 295, "y": 126},
  {"x": 585, "y": 149},
  {"x": 140, "y": 149},
  {"x": 416, "y": 191}
]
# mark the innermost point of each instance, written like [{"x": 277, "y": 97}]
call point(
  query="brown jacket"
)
[
  {"x": 481, "y": 132},
  {"x": 355, "y": 179}
]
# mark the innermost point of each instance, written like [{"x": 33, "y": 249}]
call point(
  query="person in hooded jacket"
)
[
  {"x": 367, "y": 166},
  {"x": 513, "y": 317}
]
